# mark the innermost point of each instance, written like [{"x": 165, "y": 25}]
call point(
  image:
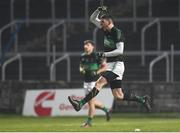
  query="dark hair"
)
[
  {"x": 89, "y": 41},
  {"x": 106, "y": 16}
]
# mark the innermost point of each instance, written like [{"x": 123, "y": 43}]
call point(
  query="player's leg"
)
[
  {"x": 93, "y": 104},
  {"x": 88, "y": 87},
  {"x": 78, "y": 104},
  {"x": 119, "y": 94},
  {"x": 91, "y": 111},
  {"x": 98, "y": 86},
  {"x": 92, "y": 108},
  {"x": 103, "y": 80},
  {"x": 101, "y": 106}
]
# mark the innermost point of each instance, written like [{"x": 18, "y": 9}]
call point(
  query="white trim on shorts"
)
[{"x": 117, "y": 68}]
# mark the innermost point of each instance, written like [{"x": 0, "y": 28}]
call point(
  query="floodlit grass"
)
[{"x": 119, "y": 122}]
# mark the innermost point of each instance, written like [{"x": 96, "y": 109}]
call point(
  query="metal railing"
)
[
  {"x": 95, "y": 35},
  {"x": 53, "y": 13},
  {"x": 128, "y": 53},
  {"x": 17, "y": 57},
  {"x": 27, "y": 11},
  {"x": 1, "y": 31},
  {"x": 152, "y": 63},
  {"x": 179, "y": 15},
  {"x": 150, "y": 8},
  {"x": 155, "y": 21},
  {"x": 12, "y": 39},
  {"x": 134, "y": 16},
  {"x": 48, "y": 37},
  {"x": 86, "y": 14},
  {"x": 172, "y": 62},
  {"x": 40, "y": 21},
  {"x": 133, "y": 19},
  {"x": 53, "y": 70},
  {"x": 134, "y": 13},
  {"x": 77, "y": 54}
]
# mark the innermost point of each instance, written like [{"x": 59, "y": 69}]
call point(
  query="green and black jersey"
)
[
  {"x": 110, "y": 40},
  {"x": 90, "y": 64}
]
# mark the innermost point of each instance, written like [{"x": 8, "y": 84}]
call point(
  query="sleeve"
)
[
  {"x": 116, "y": 52},
  {"x": 94, "y": 18}
]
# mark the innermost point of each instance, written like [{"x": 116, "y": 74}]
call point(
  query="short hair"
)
[
  {"x": 106, "y": 16},
  {"x": 89, "y": 41}
]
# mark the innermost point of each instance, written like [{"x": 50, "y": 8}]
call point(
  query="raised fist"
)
[{"x": 102, "y": 8}]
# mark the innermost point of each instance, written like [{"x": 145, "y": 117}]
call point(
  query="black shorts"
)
[{"x": 111, "y": 78}]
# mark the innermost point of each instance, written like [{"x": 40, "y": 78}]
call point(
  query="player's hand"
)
[
  {"x": 82, "y": 70},
  {"x": 101, "y": 54},
  {"x": 102, "y": 8}
]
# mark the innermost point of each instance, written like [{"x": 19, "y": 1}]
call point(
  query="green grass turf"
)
[{"x": 119, "y": 122}]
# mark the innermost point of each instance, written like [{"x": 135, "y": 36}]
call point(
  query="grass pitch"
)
[{"x": 120, "y": 123}]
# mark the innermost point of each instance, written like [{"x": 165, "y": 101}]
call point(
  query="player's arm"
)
[
  {"x": 94, "y": 18},
  {"x": 81, "y": 69},
  {"x": 116, "y": 52},
  {"x": 103, "y": 67},
  {"x": 81, "y": 66},
  {"x": 119, "y": 46}
]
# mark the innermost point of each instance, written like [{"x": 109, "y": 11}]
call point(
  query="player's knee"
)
[
  {"x": 119, "y": 97},
  {"x": 100, "y": 83},
  {"x": 118, "y": 94},
  {"x": 91, "y": 102}
]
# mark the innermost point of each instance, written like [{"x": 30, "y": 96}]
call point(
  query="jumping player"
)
[
  {"x": 114, "y": 47},
  {"x": 90, "y": 68}
]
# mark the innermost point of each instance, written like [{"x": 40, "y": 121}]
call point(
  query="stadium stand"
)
[{"x": 32, "y": 38}]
